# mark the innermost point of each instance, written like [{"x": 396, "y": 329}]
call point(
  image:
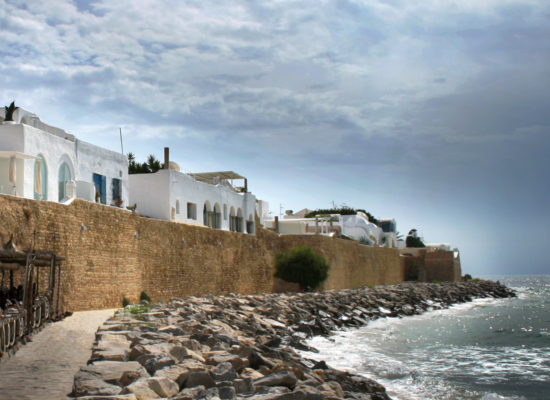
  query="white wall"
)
[
  {"x": 91, "y": 159},
  {"x": 151, "y": 193},
  {"x": 83, "y": 159},
  {"x": 156, "y": 199}
]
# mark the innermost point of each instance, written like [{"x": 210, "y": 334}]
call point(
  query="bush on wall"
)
[{"x": 303, "y": 266}]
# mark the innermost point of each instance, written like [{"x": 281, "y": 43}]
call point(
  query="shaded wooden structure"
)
[{"x": 37, "y": 302}]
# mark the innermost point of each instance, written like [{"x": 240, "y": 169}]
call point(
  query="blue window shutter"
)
[{"x": 103, "y": 191}]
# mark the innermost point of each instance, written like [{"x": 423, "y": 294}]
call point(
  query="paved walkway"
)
[{"x": 44, "y": 369}]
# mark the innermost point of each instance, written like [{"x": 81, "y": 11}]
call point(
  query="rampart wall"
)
[{"x": 110, "y": 252}]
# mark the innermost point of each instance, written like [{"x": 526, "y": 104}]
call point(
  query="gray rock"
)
[
  {"x": 179, "y": 353},
  {"x": 155, "y": 364},
  {"x": 198, "y": 377},
  {"x": 171, "y": 329},
  {"x": 145, "y": 357},
  {"x": 223, "y": 372},
  {"x": 235, "y": 360},
  {"x": 227, "y": 393},
  {"x": 209, "y": 394},
  {"x": 245, "y": 385},
  {"x": 284, "y": 378},
  {"x": 189, "y": 394}
]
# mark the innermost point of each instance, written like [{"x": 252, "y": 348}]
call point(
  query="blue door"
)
[{"x": 100, "y": 183}]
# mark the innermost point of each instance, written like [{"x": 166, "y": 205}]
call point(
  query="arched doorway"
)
[{"x": 206, "y": 212}]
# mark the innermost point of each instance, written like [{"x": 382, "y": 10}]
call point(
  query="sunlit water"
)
[{"x": 488, "y": 349}]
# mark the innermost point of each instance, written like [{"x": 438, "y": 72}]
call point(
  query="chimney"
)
[{"x": 166, "y": 158}]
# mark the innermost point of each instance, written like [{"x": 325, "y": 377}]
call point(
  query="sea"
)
[{"x": 488, "y": 349}]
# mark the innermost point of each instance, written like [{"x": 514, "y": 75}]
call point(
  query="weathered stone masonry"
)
[{"x": 119, "y": 253}]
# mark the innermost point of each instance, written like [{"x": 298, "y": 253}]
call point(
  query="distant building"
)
[
  {"x": 38, "y": 161},
  {"x": 357, "y": 227}
]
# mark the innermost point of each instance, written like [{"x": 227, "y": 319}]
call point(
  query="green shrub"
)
[
  {"x": 475, "y": 280},
  {"x": 303, "y": 266},
  {"x": 467, "y": 277},
  {"x": 435, "y": 281},
  {"x": 125, "y": 301},
  {"x": 144, "y": 296}
]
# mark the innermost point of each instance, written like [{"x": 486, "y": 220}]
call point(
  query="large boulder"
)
[
  {"x": 108, "y": 371},
  {"x": 177, "y": 373},
  {"x": 94, "y": 387},
  {"x": 141, "y": 390},
  {"x": 162, "y": 386}
]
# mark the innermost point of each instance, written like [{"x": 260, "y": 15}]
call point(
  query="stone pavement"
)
[{"x": 44, "y": 369}]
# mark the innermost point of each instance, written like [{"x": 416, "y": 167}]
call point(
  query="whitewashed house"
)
[
  {"x": 37, "y": 161},
  {"x": 354, "y": 226},
  {"x": 208, "y": 199}
]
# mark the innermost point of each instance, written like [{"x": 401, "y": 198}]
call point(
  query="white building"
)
[
  {"x": 38, "y": 160},
  {"x": 208, "y": 199},
  {"x": 356, "y": 226}
]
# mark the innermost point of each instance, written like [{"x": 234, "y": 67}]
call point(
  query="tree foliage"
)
[
  {"x": 303, "y": 266},
  {"x": 9, "y": 111},
  {"x": 342, "y": 210},
  {"x": 150, "y": 166},
  {"x": 413, "y": 241}
]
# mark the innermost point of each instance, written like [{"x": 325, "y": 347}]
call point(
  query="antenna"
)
[
  {"x": 121, "y": 146},
  {"x": 281, "y": 209}
]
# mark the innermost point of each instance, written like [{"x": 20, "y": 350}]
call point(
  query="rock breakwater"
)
[{"x": 245, "y": 347}]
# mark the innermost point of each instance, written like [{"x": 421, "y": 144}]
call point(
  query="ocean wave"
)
[{"x": 494, "y": 396}]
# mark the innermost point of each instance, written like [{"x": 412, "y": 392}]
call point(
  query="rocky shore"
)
[{"x": 245, "y": 347}]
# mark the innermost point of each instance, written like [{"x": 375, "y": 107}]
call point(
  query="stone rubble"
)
[{"x": 244, "y": 347}]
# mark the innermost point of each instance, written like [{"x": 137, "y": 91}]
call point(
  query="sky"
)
[{"x": 435, "y": 113}]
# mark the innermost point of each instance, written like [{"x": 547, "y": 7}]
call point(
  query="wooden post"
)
[{"x": 276, "y": 224}]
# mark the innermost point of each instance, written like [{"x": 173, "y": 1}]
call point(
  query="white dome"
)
[{"x": 173, "y": 166}]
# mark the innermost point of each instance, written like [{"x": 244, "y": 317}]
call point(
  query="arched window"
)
[
  {"x": 44, "y": 178},
  {"x": 250, "y": 225},
  {"x": 216, "y": 217},
  {"x": 64, "y": 177}
]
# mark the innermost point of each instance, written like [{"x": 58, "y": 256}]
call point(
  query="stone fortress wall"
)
[{"x": 112, "y": 253}]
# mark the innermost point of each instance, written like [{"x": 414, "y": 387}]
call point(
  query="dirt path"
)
[{"x": 44, "y": 369}]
